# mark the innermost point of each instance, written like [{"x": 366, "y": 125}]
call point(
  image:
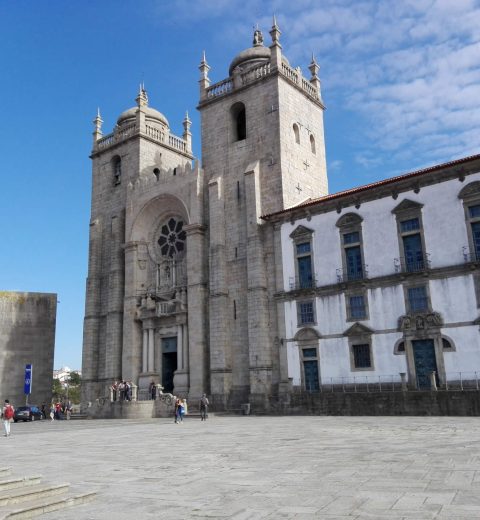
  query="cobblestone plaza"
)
[{"x": 332, "y": 468}]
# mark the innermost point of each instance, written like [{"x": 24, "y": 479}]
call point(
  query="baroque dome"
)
[
  {"x": 252, "y": 56},
  {"x": 151, "y": 115}
]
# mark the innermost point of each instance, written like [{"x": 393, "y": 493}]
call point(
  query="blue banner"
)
[{"x": 27, "y": 389}]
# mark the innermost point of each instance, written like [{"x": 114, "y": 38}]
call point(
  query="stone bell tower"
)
[
  {"x": 146, "y": 264},
  {"x": 262, "y": 151}
]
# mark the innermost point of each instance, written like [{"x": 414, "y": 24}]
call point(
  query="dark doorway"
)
[
  {"x": 425, "y": 362},
  {"x": 169, "y": 362}
]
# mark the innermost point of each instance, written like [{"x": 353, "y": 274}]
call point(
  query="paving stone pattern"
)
[{"x": 246, "y": 468}]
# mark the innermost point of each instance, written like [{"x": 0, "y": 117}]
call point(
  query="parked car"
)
[{"x": 27, "y": 413}]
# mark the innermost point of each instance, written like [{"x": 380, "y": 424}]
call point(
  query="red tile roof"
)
[{"x": 366, "y": 187}]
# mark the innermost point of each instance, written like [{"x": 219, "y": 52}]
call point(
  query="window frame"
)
[
  {"x": 304, "y": 358},
  {"x": 301, "y": 235},
  {"x": 351, "y": 223},
  {"x": 470, "y": 196},
  {"x": 299, "y": 313},
  {"x": 348, "y": 305},
  {"x": 414, "y": 285},
  {"x": 369, "y": 349},
  {"x": 409, "y": 210}
]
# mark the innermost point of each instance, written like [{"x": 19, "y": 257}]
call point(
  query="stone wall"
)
[
  {"x": 27, "y": 335},
  {"x": 460, "y": 403}
]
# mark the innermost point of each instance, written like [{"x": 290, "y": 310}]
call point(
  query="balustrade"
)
[{"x": 220, "y": 88}]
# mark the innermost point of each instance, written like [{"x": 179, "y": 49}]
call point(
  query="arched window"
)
[
  {"x": 296, "y": 133},
  {"x": 312, "y": 144},
  {"x": 239, "y": 122},
  {"x": 117, "y": 170},
  {"x": 156, "y": 172},
  {"x": 448, "y": 345}
]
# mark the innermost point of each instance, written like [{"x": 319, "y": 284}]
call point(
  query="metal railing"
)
[
  {"x": 462, "y": 381},
  {"x": 470, "y": 257},
  {"x": 412, "y": 265},
  {"x": 302, "y": 284},
  {"x": 350, "y": 275},
  {"x": 356, "y": 384}
]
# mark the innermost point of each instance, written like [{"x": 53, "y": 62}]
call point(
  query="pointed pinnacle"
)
[{"x": 274, "y": 23}]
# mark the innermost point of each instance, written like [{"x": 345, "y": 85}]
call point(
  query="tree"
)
[
  {"x": 75, "y": 379},
  {"x": 57, "y": 389}
]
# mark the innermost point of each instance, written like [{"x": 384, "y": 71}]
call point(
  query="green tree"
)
[
  {"x": 57, "y": 389},
  {"x": 75, "y": 379}
]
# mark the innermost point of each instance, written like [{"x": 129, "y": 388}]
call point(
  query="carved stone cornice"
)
[
  {"x": 300, "y": 232},
  {"x": 420, "y": 321}
]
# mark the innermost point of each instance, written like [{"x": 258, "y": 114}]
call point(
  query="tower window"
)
[
  {"x": 312, "y": 144},
  {"x": 296, "y": 133},
  {"x": 117, "y": 170},
  {"x": 239, "y": 121}
]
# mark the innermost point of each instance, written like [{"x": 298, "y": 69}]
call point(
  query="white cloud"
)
[{"x": 409, "y": 69}]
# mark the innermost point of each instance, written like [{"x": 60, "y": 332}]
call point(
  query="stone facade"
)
[
  {"x": 199, "y": 317},
  {"x": 198, "y": 274},
  {"x": 395, "y": 292},
  {"x": 27, "y": 336}
]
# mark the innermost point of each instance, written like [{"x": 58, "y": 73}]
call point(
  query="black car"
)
[{"x": 27, "y": 413}]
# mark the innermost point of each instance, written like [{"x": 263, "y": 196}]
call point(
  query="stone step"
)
[
  {"x": 16, "y": 496},
  {"x": 5, "y": 472},
  {"x": 46, "y": 505},
  {"x": 77, "y": 416},
  {"x": 15, "y": 483}
]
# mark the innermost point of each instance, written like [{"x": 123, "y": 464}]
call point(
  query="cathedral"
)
[{"x": 242, "y": 278}]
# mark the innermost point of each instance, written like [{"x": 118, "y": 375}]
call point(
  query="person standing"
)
[
  {"x": 7, "y": 415},
  {"x": 204, "y": 407},
  {"x": 177, "y": 410}
]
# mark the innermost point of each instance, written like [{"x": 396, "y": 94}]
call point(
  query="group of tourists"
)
[
  {"x": 181, "y": 409},
  {"x": 122, "y": 390},
  {"x": 58, "y": 411}
]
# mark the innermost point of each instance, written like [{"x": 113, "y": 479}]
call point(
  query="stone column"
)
[
  {"x": 92, "y": 314},
  {"x": 151, "y": 349},
  {"x": 114, "y": 326},
  {"x": 145, "y": 351},
  {"x": 259, "y": 345},
  {"x": 180, "y": 347},
  {"x": 135, "y": 276},
  {"x": 220, "y": 354}
]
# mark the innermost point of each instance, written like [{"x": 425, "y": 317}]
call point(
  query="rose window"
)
[{"x": 172, "y": 238}]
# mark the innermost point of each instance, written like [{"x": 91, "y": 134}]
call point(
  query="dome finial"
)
[
  {"x": 257, "y": 36},
  {"x": 142, "y": 98}
]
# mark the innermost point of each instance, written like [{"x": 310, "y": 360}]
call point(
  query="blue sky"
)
[{"x": 399, "y": 78}]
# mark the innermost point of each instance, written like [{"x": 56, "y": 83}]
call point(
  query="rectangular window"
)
[
  {"x": 305, "y": 313},
  {"x": 357, "y": 307},
  {"x": 474, "y": 211},
  {"x": 476, "y": 239},
  {"x": 309, "y": 352},
  {"x": 361, "y": 356},
  {"x": 412, "y": 224},
  {"x": 353, "y": 259},
  {"x": 351, "y": 238},
  {"x": 417, "y": 299},
  {"x": 414, "y": 259},
  {"x": 303, "y": 248}
]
